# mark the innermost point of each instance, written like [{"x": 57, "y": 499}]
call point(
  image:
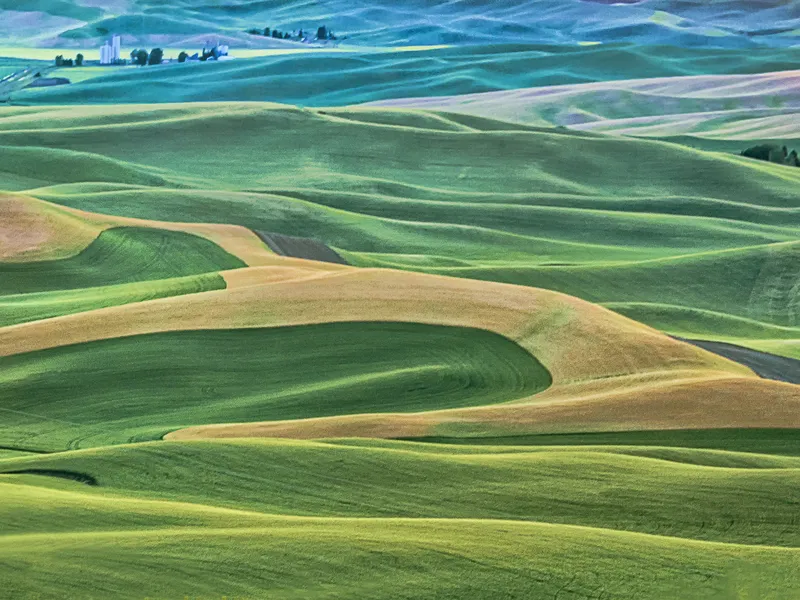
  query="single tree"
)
[
  {"x": 59, "y": 61},
  {"x": 182, "y": 57},
  {"x": 79, "y": 60},
  {"x": 267, "y": 32},
  {"x": 68, "y": 62},
  {"x": 287, "y": 36},
  {"x": 141, "y": 57},
  {"x": 322, "y": 33},
  {"x": 276, "y": 34},
  {"x": 300, "y": 34},
  {"x": 134, "y": 55},
  {"x": 156, "y": 56}
]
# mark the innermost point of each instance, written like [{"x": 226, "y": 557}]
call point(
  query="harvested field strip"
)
[
  {"x": 768, "y": 366},
  {"x": 577, "y": 341},
  {"x": 36, "y": 230},
  {"x": 118, "y": 387},
  {"x": 287, "y": 245},
  {"x": 704, "y": 402},
  {"x": 645, "y": 489},
  {"x": 120, "y": 255}
]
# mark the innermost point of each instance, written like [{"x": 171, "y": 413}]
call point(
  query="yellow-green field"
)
[{"x": 484, "y": 402}]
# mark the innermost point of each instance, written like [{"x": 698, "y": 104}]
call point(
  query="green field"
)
[
  {"x": 31, "y": 306},
  {"x": 616, "y": 513},
  {"x": 254, "y": 374}
]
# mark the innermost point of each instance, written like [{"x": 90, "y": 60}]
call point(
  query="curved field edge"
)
[
  {"x": 120, "y": 255},
  {"x": 120, "y": 389},
  {"x": 599, "y": 361},
  {"x": 38, "y": 231}
]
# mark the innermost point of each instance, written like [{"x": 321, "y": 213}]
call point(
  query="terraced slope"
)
[{"x": 698, "y": 255}]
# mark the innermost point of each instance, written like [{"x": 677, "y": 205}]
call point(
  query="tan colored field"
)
[
  {"x": 33, "y": 230},
  {"x": 37, "y": 230},
  {"x": 609, "y": 372}
]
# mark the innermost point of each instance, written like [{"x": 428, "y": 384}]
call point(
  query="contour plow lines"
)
[{"x": 17, "y": 81}]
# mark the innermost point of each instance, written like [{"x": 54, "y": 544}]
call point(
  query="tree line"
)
[
  {"x": 68, "y": 62},
  {"x": 323, "y": 33},
  {"x": 138, "y": 57},
  {"x": 143, "y": 58},
  {"x": 774, "y": 154}
]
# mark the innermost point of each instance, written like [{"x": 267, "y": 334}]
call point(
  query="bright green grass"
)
[
  {"x": 741, "y": 498},
  {"x": 21, "y": 308},
  {"x": 143, "y": 386},
  {"x": 120, "y": 255},
  {"x": 388, "y": 558},
  {"x": 214, "y": 517}
]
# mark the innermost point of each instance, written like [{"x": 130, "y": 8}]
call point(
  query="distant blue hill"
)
[
  {"x": 696, "y": 23},
  {"x": 336, "y": 79}
]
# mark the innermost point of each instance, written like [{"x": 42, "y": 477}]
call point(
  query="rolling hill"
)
[
  {"x": 336, "y": 78},
  {"x": 700, "y": 255},
  {"x": 475, "y": 392},
  {"x": 482, "y": 368},
  {"x": 726, "y": 108}
]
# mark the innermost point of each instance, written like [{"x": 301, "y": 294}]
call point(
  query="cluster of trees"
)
[
  {"x": 773, "y": 153},
  {"x": 68, "y": 62},
  {"x": 142, "y": 57},
  {"x": 323, "y": 33}
]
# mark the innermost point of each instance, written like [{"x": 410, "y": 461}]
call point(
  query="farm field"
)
[
  {"x": 511, "y": 204},
  {"x": 480, "y": 300}
]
